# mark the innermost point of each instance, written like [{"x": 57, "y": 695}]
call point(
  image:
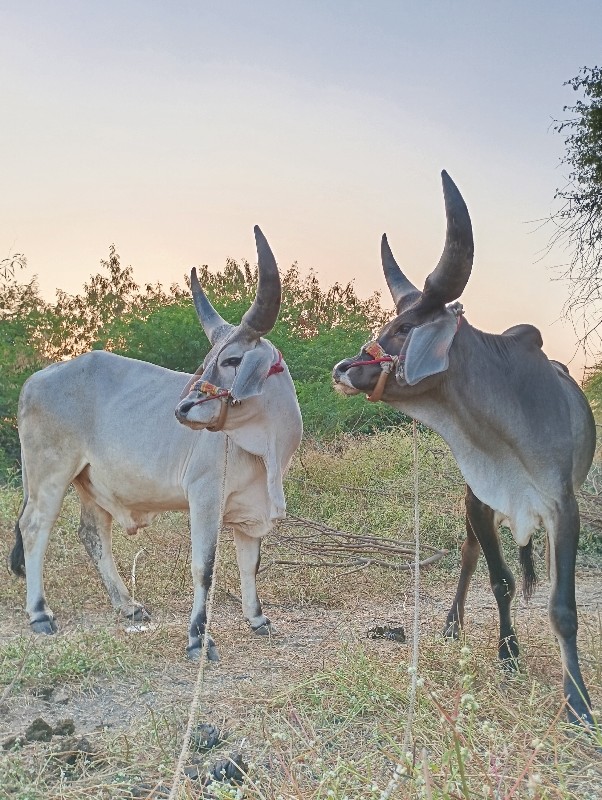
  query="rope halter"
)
[
  {"x": 213, "y": 392},
  {"x": 387, "y": 363}
]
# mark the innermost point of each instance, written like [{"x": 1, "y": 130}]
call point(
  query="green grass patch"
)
[{"x": 33, "y": 661}]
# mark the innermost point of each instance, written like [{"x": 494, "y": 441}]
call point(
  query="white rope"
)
[
  {"x": 198, "y": 688},
  {"x": 400, "y": 769}
]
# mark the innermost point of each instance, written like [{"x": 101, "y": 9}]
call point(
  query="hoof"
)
[
  {"x": 508, "y": 654},
  {"x": 47, "y": 626},
  {"x": 266, "y": 629},
  {"x": 212, "y": 654},
  {"x": 194, "y": 652},
  {"x": 581, "y": 719},
  {"x": 452, "y": 629},
  {"x": 139, "y": 615}
]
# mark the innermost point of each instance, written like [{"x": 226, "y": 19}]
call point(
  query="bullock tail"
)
[
  {"x": 528, "y": 567},
  {"x": 16, "y": 559}
]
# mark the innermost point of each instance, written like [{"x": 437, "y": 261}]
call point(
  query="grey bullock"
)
[
  {"x": 518, "y": 425},
  {"x": 106, "y": 425}
]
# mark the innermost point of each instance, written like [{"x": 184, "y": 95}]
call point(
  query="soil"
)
[{"x": 254, "y": 669}]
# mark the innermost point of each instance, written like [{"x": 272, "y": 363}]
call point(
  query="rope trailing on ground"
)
[
  {"x": 400, "y": 769},
  {"x": 198, "y": 688}
]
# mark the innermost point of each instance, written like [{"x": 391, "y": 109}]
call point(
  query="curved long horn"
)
[
  {"x": 447, "y": 281},
  {"x": 402, "y": 290},
  {"x": 262, "y": 315},
  {"x": 213, "y": 324}
]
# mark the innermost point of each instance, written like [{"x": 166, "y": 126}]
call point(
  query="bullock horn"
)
[
  {"x": 213, "y": 324},
  {"x": 447, "y": 281},
  {"x": 402, "y": 290},
  {"x": 262, "y": 315}
]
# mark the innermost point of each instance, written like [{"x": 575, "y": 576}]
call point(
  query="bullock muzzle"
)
[
  {"x": 209, "y": 392},
  {"x": 341, "y": 379},
  {"x": 378, "y": 356}
]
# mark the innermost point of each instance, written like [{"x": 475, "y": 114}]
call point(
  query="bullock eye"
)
[
  {"x": 233, "y": 361},
  {"x": 405, "y": 328}
]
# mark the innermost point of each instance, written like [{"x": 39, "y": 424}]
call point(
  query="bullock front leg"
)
[
  {"x": 564, "y": 538},
  {"x": 204, "y": 527},
  {"x": 248, "y": 556},
  {"x": 470, "y": 555},
  {"x": 95, "y": 534},
  {"x": 481, "y": 519}
]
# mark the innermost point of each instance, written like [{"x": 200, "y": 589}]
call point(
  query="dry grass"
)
[{"x": 319, "y": 710}]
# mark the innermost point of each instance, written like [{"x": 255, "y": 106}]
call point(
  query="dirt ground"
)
[{"x": 253, "y": 670}]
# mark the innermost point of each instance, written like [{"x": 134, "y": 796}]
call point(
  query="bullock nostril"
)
[{"x": 184, "y": 408}]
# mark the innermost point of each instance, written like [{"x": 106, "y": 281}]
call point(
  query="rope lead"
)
[
  {"x": 400, "y": 769},
  {"x": 196, "y": 697}
]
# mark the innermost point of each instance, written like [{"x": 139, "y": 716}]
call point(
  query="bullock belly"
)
[
  {"x": 520, "y": 507},
  {"x": 132, "y": 501}
]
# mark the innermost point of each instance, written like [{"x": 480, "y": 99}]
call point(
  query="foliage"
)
[
  {"x": 82, "y": 318},
  {"x": 579, "y": 219},
  {"x": 23, "y": 334}
]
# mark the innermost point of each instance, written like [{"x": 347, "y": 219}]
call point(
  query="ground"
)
[{"x": 248, "y": 693}]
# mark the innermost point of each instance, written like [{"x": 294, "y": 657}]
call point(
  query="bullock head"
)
[
  {"x": 240, "y": 360},
  {"x": 412, "y": 350}
]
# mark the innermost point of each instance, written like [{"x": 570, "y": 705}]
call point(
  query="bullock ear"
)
[
  {"x": 252, "y": 372},
  {"x": 426, "y": 351}
]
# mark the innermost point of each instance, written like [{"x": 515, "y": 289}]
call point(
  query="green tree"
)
[
  {"x": 81, "y": 320},
  {"x": 578, "y": 221},
  {"x": 24, "y": 328}
]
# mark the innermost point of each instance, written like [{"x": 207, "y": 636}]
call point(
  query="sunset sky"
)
[{"x": 171, "y": 128}]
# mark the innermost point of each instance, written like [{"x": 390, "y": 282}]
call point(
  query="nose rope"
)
[
  {"x": 387, "y": 363},
  {"x": 213, "y": 392}
]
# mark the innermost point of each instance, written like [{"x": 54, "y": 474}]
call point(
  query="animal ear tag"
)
[
  {"x": 426, "y": 350},
  {"x": 252, "y": 373}
]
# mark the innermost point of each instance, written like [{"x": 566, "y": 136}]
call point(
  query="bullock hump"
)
[{"x": 528, "y": 334}]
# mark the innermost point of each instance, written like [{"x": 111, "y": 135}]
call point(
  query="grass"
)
[
  {"x": 26, "y": 662},
  {"x": 319, "y": 711}
]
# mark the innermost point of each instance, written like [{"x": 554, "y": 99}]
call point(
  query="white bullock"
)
[{"x": 106, "y": 425}]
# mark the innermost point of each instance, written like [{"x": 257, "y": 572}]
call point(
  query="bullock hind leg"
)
[
  {"x": 564, "y": 537},
  {"x": 248, "y": 555},
  {"x": 38, "y": 514},
  {"x": 95, "y": 534},
  {"x": 480, "y": 522}
]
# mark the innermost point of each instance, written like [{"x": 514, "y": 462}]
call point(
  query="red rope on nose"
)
[
  {"x": 212, "y": 392},
  {"x": 372, "y": 361},
  {"x": 378, "y": 355}
]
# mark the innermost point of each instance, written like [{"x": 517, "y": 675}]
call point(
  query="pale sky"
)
[{"x": 171, "y": 128}]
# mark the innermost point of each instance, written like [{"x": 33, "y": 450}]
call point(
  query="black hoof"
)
[
  {"x": 451, "y": 629},
  {"x": 579, "y": 715},
  {"x": 194, "y": 652},
  {"x": 508, "y": 652},
  {"x": 267, "y": 629},
  {"x": 46, "y": 625},
  {"x": 140, "y": 615}
]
